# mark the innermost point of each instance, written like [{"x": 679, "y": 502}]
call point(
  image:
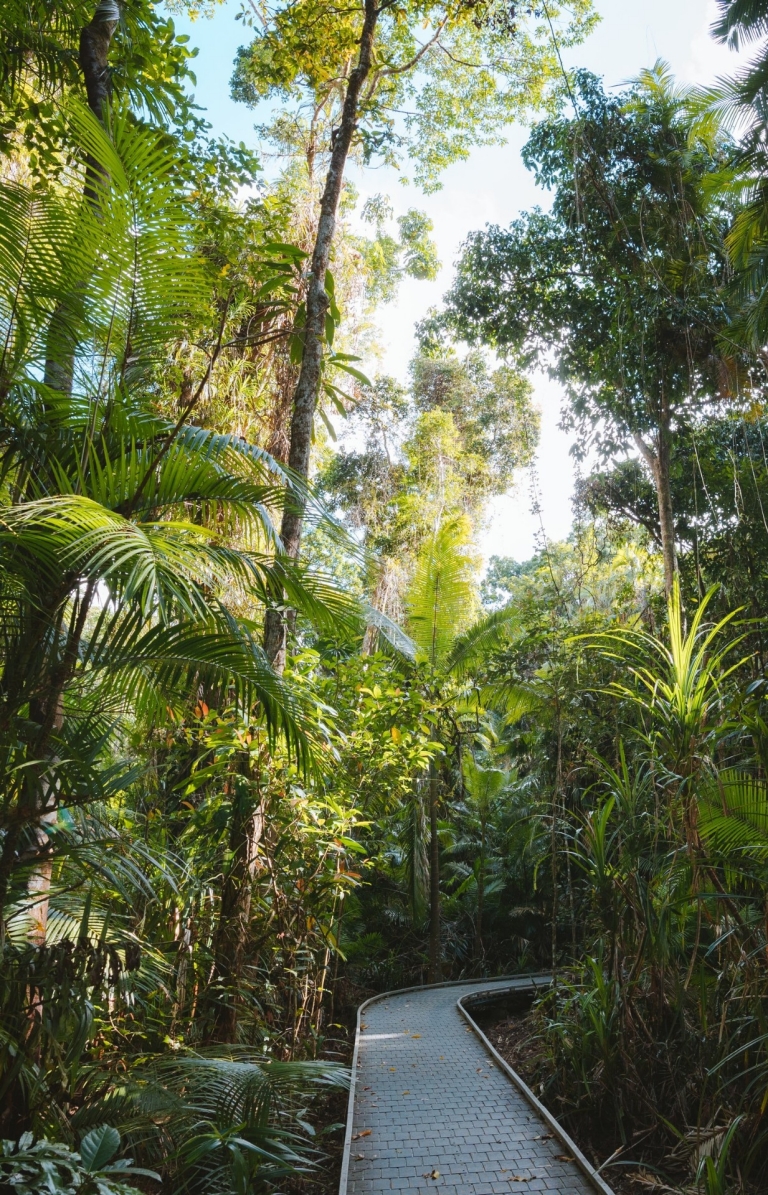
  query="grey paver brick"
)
[{"x": 461, "y": 1114}]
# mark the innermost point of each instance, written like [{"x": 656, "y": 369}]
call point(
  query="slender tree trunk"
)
[
  {"x": 479, "y": 950},
  {"x": 556, "y": 800},
  {"x": 434, "y": 881},
  {"x": 658, "y": 461},
  {"x": 231, "y": 936},
  {"x": 61, "y": 346},
  {"x": 318, "y": 302},
  {"x": 555, "y": 909},
  {"x": 95, "y": 42},
  {"x": 39, "y": 681},
  {"x": 93, "y": 58}
]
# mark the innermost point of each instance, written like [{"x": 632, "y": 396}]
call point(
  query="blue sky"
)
[{"x": 491, "y": 187}]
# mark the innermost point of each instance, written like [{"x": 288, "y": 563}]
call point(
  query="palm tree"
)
[
  {"x": 737, "y": 105},
  {"x": 137, "y": 551},
  {"x": 441, "y": 601}
]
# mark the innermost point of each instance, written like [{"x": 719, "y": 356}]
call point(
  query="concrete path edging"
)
[
  {"x": 554, "y": 1124},
  {"x": 514, "y": 983}
]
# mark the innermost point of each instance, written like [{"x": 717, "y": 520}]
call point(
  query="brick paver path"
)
[{"x": 433, "y": 1113}]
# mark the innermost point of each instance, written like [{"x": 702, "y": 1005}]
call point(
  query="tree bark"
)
[
  {"x": 95, "y": 42},
  {"x": 38, "y": 802},
  {"x": 479, "y": 948},
  {"x": 434, "y": 881},
  {"x": 231, "y": 936},
  {"x": 318, "y": 302},
  {"x": 658, "y": 461},
  {"x": 38, "y": 679},
  {"x": 93, "y": 58}
]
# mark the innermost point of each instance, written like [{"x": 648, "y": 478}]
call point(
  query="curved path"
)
[{"x": 434, "y": 1108}]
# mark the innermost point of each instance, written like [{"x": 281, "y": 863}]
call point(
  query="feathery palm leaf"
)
[
  {"x": 442, "y": 595},
  {"x": 733, "y": 817},
  {"x": 484, "y": 636}
]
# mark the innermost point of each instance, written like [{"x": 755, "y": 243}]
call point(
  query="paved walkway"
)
[{"x": 434, "y": 1113}]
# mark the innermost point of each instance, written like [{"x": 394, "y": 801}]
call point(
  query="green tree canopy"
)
[{"x": 621, "y": 290}]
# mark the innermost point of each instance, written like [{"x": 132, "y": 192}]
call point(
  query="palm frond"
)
[
  {"x": 484, "y": 636},
  {"x": 442, "y": 596},
  {"x": 733, "y": 816}
]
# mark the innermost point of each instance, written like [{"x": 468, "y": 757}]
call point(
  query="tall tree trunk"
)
[
  {"x": 39, "y": 882},
  {"x": 556, "y": 802},
  {"x": 95, "y": 42},
  {"x": 657, "y": 459},
  {"x": 38, "y": 801},
  {"x": 479, "y": 949},
  {"x": 93, "y": 58},
  {"x": 318, "y": 302},
  {"x": 434, "y": 880},
  {"x": 38, "y": 676},
  {"x": 231, "y": 936}
]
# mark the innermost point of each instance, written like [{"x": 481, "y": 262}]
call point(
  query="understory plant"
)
[{"x": 642, "y": 1046}]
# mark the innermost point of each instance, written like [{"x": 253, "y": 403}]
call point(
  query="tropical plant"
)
[
  {"x": 678, "y": 684},
  {"x": 137, "y": 549},
  {"x": 42, "y": 1167},
  {"x": 736, "y": 104}
]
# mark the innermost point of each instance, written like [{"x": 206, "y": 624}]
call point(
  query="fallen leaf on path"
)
[
  {"x": 365, "y": 1133},
  {"x": 406, "y": 1093},
  {"x": 431, "y": 1174},
  {"x": 415, "y": 1035},
  {"x": 564, "y": 1158}
]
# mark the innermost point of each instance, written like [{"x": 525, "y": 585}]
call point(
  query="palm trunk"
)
[
  {"x": 41, "y": 686},
  {"x": 61, "y": 346},
  {"x": 318, "y": 302},
  {"x": 434, "y": 881},
  {"x": 95, "y": 42}
]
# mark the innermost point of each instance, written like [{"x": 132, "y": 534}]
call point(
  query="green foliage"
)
[
  {"x": 387, "y": 259},
  {"x": 39, "y": 1167},
  {"x": 736, "y": 104},
  {"x": 225, "y": 1117},
  {"x": 204, "y": 865},
  {"x": 138, "y": 551},
  {"x": 678, "y": 683},
  {"x": 150, "y": 70},
  {"x": 632, "y": 296},
  {"x": 462, "y": 74},
  {"x": 442, "y": 596},
  {"x": 493, "y": 411}
]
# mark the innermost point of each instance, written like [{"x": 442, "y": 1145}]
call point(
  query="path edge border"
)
[
  {"x": 583, "y": 1163},
  {"x": 517, "y": 983}
]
